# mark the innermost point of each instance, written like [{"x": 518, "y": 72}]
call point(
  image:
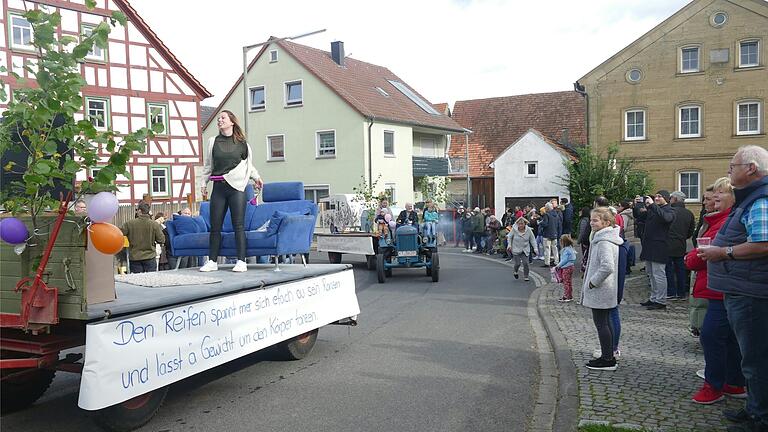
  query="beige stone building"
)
[{"x": 684, "y": 96}]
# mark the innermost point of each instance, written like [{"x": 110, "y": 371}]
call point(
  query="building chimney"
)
[
  {"x": 564, "y": 136},
  {"x": 337, "y": 52}
]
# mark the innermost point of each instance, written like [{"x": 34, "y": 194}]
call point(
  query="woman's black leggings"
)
[
  {"x": 226, "y": 197},
  {"x": 601, "y": 317}
]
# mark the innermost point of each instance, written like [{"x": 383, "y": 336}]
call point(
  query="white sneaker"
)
[
  {"x": 700, "y": 373},
  {"x": 598, "y": 353},
  {"x": 209, "y": 266},
  {"x": 240, "y": 267}
]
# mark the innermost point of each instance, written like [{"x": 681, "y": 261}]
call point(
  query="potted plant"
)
[{"x": 51, "y": 147}]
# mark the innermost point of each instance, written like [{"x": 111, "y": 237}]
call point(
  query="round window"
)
[
  {"x": 634, "y": 75},
  {"x": 719, "y": 19}
]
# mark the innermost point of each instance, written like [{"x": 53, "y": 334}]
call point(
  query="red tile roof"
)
[
  {"x": 442, "y": 108},
  {"x": 496, "y": 123},
  {"x": 356, "y": 83}
]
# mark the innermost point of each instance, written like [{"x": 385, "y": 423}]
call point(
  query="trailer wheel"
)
[
  {"x": 370, "y": 262},
  {"x": 133, "y": 413},
  {"x": 334, "y": 257},
  {"x": 22, "y": 391},
  {"x": 298, "y": 347},
  {"x": 380, "y": 268},
  {"x": 435, "y": 267}
]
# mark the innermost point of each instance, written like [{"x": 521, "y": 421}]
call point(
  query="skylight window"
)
[
  {"x": 382, "y": 92},
  {"x": 412, "y": 96}
]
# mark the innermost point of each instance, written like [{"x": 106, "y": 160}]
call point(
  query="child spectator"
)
[
  {"x": 430, "y": 219},
  {"x": 600, "y": 288},
  {"x": 566, "y": 266}
]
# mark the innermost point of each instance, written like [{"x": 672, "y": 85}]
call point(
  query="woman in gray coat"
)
[
  {"x": 601, "y": 282},
  {"x": 520, "y": 242}
]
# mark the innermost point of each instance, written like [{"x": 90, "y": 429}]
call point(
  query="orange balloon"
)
[{"x": 106, "y": 238}]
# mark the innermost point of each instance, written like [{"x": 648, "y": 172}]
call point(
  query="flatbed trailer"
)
[{"x": 152, "y": 336}]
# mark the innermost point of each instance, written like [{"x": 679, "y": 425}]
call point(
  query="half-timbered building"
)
[{"x": 135, "y": 82}]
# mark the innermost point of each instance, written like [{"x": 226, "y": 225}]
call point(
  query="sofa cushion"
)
[
  {"x": 185, "y": 225},
  {"x": 264, "y": 212},
  {"x": 253, "y": 239},
  {"x": 201, "y": 224},
  {"x": 278, "y": 216},
  {"x": 191, "y": 241},
  {"x": 282, "y": 191}
]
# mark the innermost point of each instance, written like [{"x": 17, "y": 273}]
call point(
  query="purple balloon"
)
[
  {"x": 103, "y": 207},
  {"x": 13, "y": 231},
  {"x": 387, "y": 217},
  {"x": 392, "y": 224}
]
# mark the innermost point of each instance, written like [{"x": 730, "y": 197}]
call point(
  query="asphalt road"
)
[{"x": 457, "y": 355}]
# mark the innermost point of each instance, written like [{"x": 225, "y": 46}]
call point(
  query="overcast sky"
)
[{"x": 447, "y": 50}]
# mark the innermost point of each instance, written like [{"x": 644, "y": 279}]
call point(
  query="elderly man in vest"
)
[{"x": 737, "y": 264}]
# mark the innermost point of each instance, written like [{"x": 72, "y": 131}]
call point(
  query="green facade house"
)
[{"x": 330, "y": 121}]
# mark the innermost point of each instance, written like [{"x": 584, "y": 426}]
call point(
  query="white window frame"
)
[
  {"x": 251, "y": 107},
  {"x": 683, "y": 70},
  {"x": 759, "y": 118},
  {"x": 699, "y": 121},
  {"x": 392, "y": 188},
  {"x": 526, "y": 165},
  {"x": 11, "y": 41},
  {"x": 166, "y": 119},
  {"x": 392, "y": 153},
  {"x": 316, "y": 189},
  {"x": 294, "y": 102},
  {"x": 273, "y": 56},
  {"x": 168, "y": 183},
  {"x": 106, "y": 117},
  {"x": 317, "y": 144},
  {"x": 97, "y": 54},
  {"x": 688, "y": 196},
  {"x": 741, "y": 45},
  {"x": 269, "y": 148},
  {"x": 626, "y": 125}
]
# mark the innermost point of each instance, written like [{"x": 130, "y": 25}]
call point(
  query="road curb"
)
[{"x": 552, "y": 405}]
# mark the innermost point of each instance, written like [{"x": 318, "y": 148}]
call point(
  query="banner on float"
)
[{"x": 125, "y": 358}]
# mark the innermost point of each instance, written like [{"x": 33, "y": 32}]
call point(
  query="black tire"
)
[
  {"x": 370, "y": 262},
  {"x": 435, "y": 267},
  {"x": 380, "y": 270},
  {"x": 429, "y": 271},
  {"x": 22, "y": 391},
  {"x": 334, "y": 257},
  {"x": 133, "y": 413},
  {"x": 297, "y": 347}
]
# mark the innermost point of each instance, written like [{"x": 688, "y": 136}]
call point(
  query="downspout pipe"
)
[
  {"x": 370, "y": 152},
  {"x": 578, "y": 88}
]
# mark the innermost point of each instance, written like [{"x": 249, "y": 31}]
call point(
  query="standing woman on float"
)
[{"x": 227, "y": 163}]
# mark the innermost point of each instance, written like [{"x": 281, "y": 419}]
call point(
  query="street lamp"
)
[{"x": 246, "y": 104}]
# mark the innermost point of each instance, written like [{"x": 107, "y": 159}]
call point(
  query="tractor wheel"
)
[
  {"x": 334, "y": 257},
  {"x": 435, "y": 267},
  {"x": 380, "y": 268},
  {"x": 133, "y": 413},
  {"x": 23, "y": 390},
  {"x": 298, "y": 347}
]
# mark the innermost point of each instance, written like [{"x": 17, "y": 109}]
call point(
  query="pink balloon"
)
[
  {"x": 392, "y": 224},
  {"x": 388, "y": 217}
]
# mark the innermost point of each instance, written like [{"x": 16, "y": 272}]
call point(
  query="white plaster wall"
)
[
  {"x": 69, "y": 21},
  {"x": 137, "y": 54},
  {"x": 138, "y": 107},
  {"x": 119, "y": 77},
  {"x": 187, "y": 109},
  {"x": 119, "y": 104},
  {"x": 120, "y": 124},
  {"x": 509, "y": 171},
  {"x": 116, "y": 50},
  {"x": 156, "y": 81},
  {"x": 139, "y": 173}
]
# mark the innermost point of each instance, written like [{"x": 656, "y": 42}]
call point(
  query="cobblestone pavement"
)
[{"x": 656, "y": 377}]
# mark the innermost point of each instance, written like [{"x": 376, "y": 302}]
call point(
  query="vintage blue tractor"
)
[{"x": 405, "y": 248}]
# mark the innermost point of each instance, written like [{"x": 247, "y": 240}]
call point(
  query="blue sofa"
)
[{"x": 291, "y": 225}]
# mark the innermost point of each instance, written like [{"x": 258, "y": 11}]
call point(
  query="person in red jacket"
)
[{"x": 722, "y": 374}]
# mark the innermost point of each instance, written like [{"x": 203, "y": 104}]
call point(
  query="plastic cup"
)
[{"x": 704, "y": 242}]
